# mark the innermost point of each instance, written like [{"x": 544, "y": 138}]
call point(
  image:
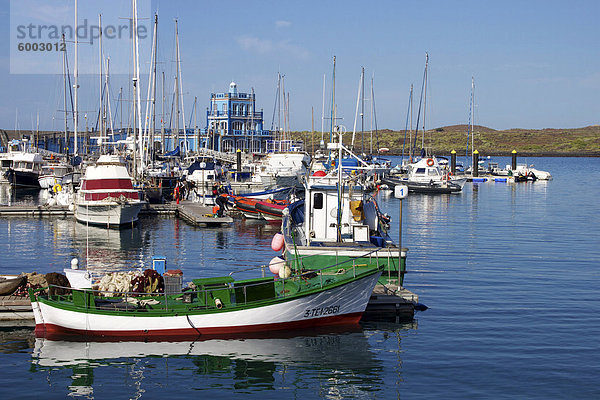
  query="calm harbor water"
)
[{"x": 510, "y": 273}]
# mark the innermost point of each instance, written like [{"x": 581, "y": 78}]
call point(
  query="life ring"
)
[
  {"x": 430, "y": 162},
  {"x": 56, "y": 188}
]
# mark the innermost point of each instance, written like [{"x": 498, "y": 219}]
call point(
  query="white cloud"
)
[
  {"x": 282, "y": 24},
  {"x": 250, "y": 43},
  {"x": 265, "y": 46}
]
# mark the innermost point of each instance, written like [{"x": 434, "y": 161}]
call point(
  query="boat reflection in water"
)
[
  {"x": 108, "y": 249},
  {"x": 341, "y": 360}
]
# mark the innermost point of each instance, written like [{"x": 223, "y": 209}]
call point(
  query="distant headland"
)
[{"x": 572, "y": 142}]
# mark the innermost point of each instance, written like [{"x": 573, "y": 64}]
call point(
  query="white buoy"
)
[
  {"x": 285, "y": 272},
  {"x": 75, "y": 263}
]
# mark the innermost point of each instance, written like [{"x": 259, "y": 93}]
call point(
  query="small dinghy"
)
[{"x": 10, "y": 283}]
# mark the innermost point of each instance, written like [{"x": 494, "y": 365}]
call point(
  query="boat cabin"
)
[
  {"x": 358, "y": 217},
  {"x": 425, "y": 170}
]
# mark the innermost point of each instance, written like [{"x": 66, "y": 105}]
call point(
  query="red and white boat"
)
[
  {"x": 256, "y": 208},
  {"x": 107, "y": 197},
  {"x": 271, "y": 210}
]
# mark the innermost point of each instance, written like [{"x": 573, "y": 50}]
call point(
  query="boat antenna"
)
[{"x": 339, "y": 185}]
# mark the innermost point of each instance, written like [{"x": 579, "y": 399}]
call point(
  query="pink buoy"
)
[
  {"x": 277, "y": 242},
  {"x": 275, "y": 265}
]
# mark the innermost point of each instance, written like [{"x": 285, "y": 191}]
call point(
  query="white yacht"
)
[{"x": 107, "y": 197}]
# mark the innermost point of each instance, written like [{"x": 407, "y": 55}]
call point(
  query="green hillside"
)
[{"x": 551, "y": 142}]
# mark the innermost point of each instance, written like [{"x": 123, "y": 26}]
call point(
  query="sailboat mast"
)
[
  {"x": 252, "y": 130},
  {"x": 371, "y": 127},
  {"x": 137, "y": 78},
  {"x": 65, "y": 96},
  {"x": 284, "y": 105},
  {"x": 176, "y": 88},
  {"x": 411, "y": 122},
  {"x": 356, "y": 113},
  {"x": 76, "y": 86},
  {"x": 362, "y": 111},
  {"x": 323, "y": 115},
  {"x": 155, "y": 50},
  {"x": 196, "y": 132},
  {"x": 424, "y": 100},
  {"x": 472, "y": 115},
  {"x": 106, "y": 85},
  {"x": 332, "y": 104},
  {"x": 162, "y": 118},
  {"x": 101, "y": 122},
  {"x": 180, "y": 80}
]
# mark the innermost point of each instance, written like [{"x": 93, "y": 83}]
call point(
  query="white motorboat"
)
[
  {"x": 52, "y": 174},
  {"x": 427, "y": 176},
  {"x": 283, "y": 169},
  {"x": 529, "y": 171},
  {"x": 107, "y": 196},
  {"x": 20, "y": 166}
]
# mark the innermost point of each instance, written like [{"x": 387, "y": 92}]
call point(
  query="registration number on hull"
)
[{"x": 319, "y": 311}]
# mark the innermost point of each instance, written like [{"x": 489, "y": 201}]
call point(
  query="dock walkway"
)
[
  {"x": 15, "y": 311},
  {"x": 197, "y": 214},
  {"x": 193, "y": 213}
]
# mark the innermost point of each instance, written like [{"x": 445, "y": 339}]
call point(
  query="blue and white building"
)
[{"x": 233, "y": 123}]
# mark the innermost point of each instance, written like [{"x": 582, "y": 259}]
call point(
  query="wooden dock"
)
[
  {"x": 34, "y": 211},
  {"x": 15, "y": 311},
  {"x": 199, "y": 215},
  {"x": 193, "y": 213}
]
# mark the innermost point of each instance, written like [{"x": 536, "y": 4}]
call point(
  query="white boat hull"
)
[
  {"x": 341, "y": 305},
  {"x": 48, "y": 181},
  {"x": 108, "y": 213}
]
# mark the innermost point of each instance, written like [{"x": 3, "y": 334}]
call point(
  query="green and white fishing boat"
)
[
  {"x": 338, "y": 222},
  {"x": 217, "y": 306}
]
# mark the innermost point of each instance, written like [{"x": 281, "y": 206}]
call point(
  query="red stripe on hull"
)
[
  {"x": 51, "y": 331},
  {"x": 106, "y": 184}
]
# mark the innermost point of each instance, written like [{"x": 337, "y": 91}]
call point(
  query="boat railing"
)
[{"x": 209, "y": 293}]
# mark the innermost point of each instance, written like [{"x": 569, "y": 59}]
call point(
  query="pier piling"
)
[{"x": 513, "y": 164}]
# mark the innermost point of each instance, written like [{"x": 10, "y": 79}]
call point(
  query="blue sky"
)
[{"x": 535, "y": 63}]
